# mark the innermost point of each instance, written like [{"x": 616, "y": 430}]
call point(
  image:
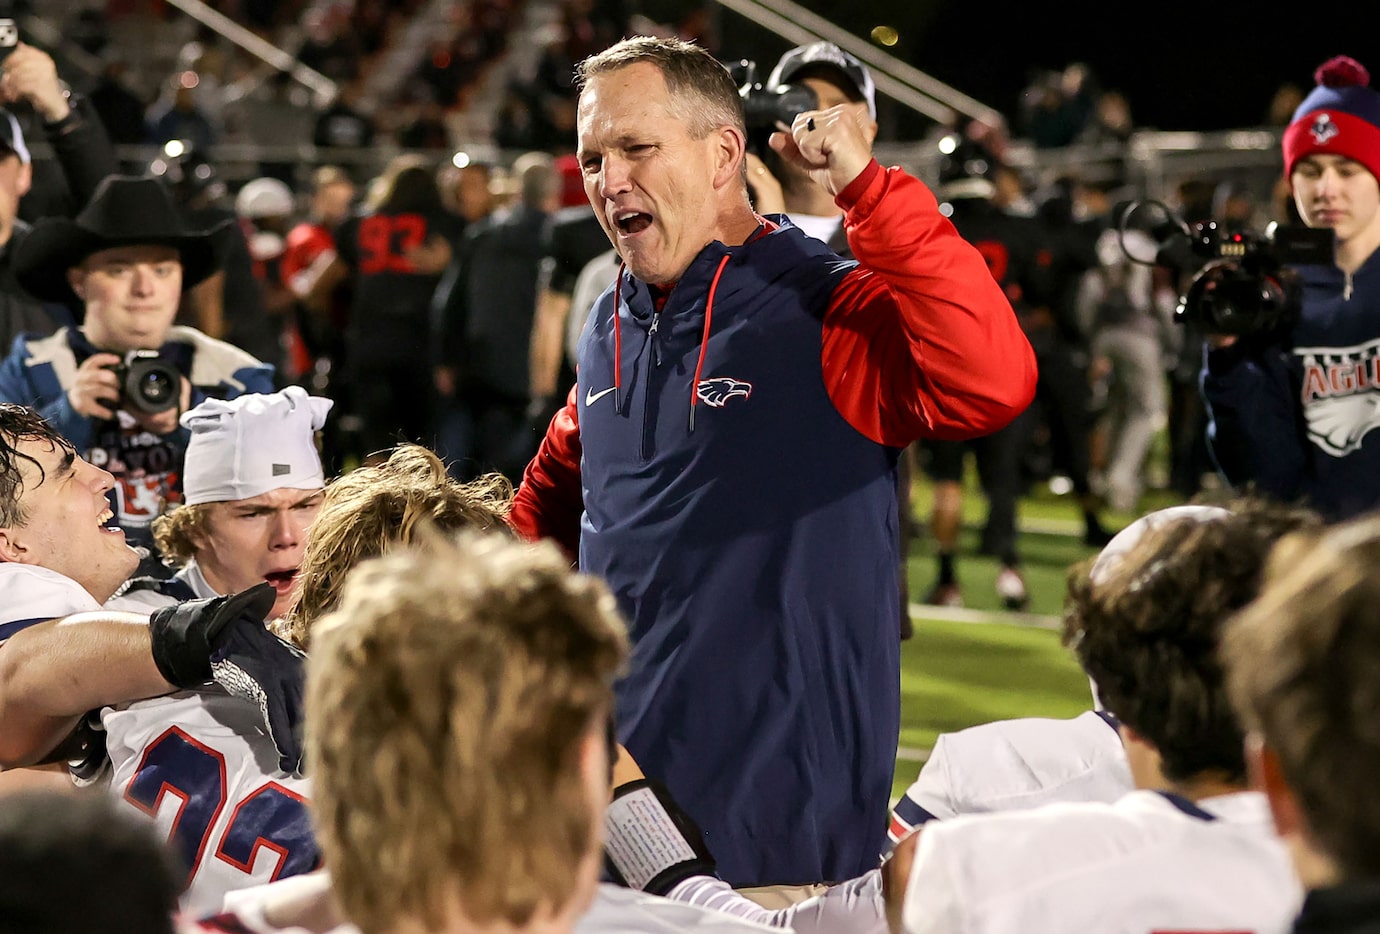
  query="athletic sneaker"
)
[
  {"x": 1011, "y": 589},
  {"x": 945, "y": 595}
]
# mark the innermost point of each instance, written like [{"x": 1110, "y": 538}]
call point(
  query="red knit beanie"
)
[{"x": 1341, "y": 116}]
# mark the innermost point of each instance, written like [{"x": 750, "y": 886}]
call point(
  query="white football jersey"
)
[
  {"x": 1010, "y": 765},
  {"x": 852, "y": 907},
  {"x": 34, "y": 595},
  {"x": 187, "y": 584},
  {"x": 1149, "y": 862},
  {"x": 201, "y": 764},
  {"x": 614, "y": 910}
]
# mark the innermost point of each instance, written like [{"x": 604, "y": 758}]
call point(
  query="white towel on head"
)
[{"x": 246, "y": 446}]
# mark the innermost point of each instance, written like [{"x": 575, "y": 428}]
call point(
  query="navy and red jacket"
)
[
  {"x": 1296, "y": 418},
  {"x": 730, "y": 458}
]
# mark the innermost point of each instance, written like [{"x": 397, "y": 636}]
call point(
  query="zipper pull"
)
[
  {"x": 651, "y": 336},
  {"x": 1346, "y": 290}
]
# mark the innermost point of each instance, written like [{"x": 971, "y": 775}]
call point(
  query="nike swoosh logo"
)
[{"x": 592, "y": 397}]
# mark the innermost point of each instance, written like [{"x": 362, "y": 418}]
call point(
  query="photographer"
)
[
  {"x": 126, "y": 258},
  {"x": 833, "y": 77},
  {"x": 1291, "y": 408}
]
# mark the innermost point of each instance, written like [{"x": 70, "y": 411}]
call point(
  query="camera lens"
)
[
  {"x": 152, "y": 385},
  {"x": 156, "y": 388}
]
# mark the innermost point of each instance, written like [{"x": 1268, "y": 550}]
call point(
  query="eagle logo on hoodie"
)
[{"x": 717, "y": 390}]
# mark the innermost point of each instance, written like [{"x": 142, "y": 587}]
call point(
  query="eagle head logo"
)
[
  {"x": 719, "y": 389},
  {"x": 1323, "y": 129}
]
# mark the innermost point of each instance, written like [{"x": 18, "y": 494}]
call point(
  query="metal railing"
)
[{"x": 903, "y": 83}]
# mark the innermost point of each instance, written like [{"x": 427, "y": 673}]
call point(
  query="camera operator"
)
[
  {"x": 1292, "y": 407},
  {"x": 115, "y": 386},
  {"x": 833, "y": 77}
]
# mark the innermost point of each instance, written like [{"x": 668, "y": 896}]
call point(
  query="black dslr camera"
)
[
  {"x": 764, "y": 107},
  {"x": 148, "y": 383},
  {"x": 1242, "y": 281}
]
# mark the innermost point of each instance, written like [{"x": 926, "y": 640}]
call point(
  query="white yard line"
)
[{"x": 950, "y": 614}]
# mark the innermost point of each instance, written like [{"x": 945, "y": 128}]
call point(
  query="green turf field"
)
[{"x": 959, "y": 673}]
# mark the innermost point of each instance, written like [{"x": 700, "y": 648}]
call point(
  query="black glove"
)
[
  {"x": 224, "y": 640},
  {"x": 252, "y": 663},
  {"x": 183, "y": 635}
]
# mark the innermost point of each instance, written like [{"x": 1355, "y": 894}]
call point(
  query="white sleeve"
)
[
  {"x": 852, "y": 907},
  {"x": 34, "y": 595},
  {"x": 929, "y": 797},
  {"x": 140, "y": 601},
  {"x": 933, "y": 903}
]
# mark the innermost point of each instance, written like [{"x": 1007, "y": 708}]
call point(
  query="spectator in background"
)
[
  {"x": 126, "y": 258},
  {"x": 176, "y": 115},
  {"x": 31, "y": 88},
  {"x": 1301, "y": 664},
  {"x": 1127, "y": 311},
  {"x": 343, "y": 125},
  {"x": 1017, "y": 251},
  {"x": 228, "y": 304},
  {"x": 1111, "y": 120},
  {"x": 1075, "y": 216},
  {"x": 574, "y": 239},
  {"x": 120, "y": 109},
  {"x": 485, "y": 316},
  {"x": 331, "y": 45},
  {"x": 315, "y": 335},
  {"x": 392, "y": 257},
  {"x": 1058, "y": 105},
  {"x": 423, "y": 120},
  {"x": 266, "y": 210},
  {"x": 467, "y": 190},
  {"x": 29, "y": 82}
]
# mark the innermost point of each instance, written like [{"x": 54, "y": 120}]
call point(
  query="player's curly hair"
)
[
  {"x": 370, "y": 510},
  {"x": 176, "y": 532},
  {"x": 451, "y": 697},
  {"x": 1301, "y": 668},
  {"x": 1147, "y": 632},
  {"x": 20, "y": 423}
]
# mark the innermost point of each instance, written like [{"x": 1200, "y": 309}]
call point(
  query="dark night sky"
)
[{"x": 1207, "y": 65}]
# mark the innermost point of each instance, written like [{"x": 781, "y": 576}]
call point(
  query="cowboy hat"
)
[{"x": 124, "y": 211}]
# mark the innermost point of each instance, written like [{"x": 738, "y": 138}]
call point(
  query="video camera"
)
[
  {"x": 764, "y": 108},
  {"x": 148, "y": 383},
  {"x": 1242, "y": 281}
]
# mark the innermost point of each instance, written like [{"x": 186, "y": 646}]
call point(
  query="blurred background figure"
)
[
  {"x": 393, "y": 256},
  {"x": 267, "y": 210},
  {"x": 484, "y": 327},
  {"x": 1129, "y": 318},
  {"x": 315, "y": 333}
]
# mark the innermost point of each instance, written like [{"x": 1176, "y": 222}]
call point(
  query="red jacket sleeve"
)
[
  {"x": 549, "y": 501},
  {"x": 919, "y": 340}
]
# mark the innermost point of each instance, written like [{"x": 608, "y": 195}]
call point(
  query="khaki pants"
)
[{"x": 774, "y": 897}]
